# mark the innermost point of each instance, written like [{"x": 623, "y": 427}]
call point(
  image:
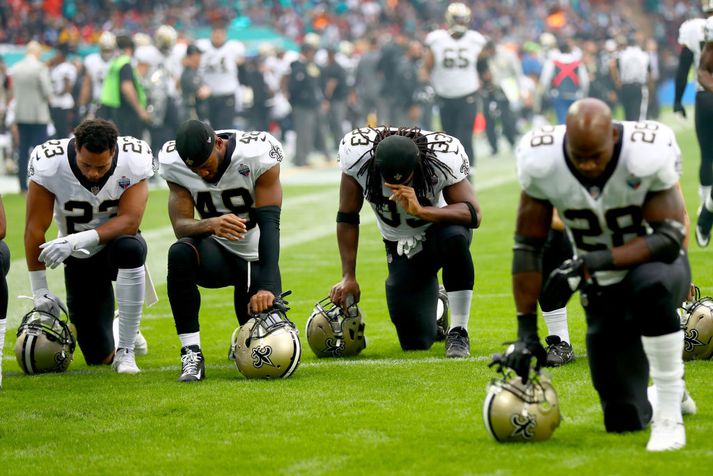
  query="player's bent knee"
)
[
  {"x": 416, "y": 342},
  {"x": 4, "y": 258},
  {"x": 183, "y": 254},
  {"x": 128, "y": 251}
]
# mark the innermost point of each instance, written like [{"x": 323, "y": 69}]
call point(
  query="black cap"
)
[
  {"x": 192, "y": 49},
  {"x": 194, "y": 142},
  {"x": 396, "y": 157}
]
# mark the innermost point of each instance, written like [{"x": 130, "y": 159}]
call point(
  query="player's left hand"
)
[
  {"x": 562, "y": 283},
  {"x": 261, "y": 301},
  {"x": 406, "y": 197}
]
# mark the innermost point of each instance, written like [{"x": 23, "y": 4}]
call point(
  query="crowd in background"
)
[{"x": 359, "y": 61}]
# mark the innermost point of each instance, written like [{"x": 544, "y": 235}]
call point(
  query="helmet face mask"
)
[
  {"x": 697, "y": 324},
  {"x": 267, "y": 346},
  {"x": 331, "y": 332},
  {"x": 458, "y": 18},
  {"x": 517, "y": 412},
  {"x": 44, "y": 343}
]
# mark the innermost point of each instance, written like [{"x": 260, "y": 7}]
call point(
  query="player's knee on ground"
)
[
  {"x": 622, "y": 416},
  {"x": 4, "y": 258},
  {"x": 128, "y": 252},
  {"x": 412, "y": 308},
  {"x": 458, "y": 270},
  {"x": 182, "y": 257},
  {"x": 97, "y": 349}
]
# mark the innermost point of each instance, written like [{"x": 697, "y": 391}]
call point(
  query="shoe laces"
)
[
  {"x": 190, "y": 361},
  {"x": 456, "y": 337}
]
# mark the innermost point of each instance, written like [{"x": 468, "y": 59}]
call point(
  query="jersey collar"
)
[
  {"x": 595, "y": 187},
  {"x": 93, "y": 187},
  {"x": 230, "y": 148}
]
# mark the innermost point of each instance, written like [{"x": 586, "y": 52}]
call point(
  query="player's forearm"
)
[
  {"x": 457, "y": 213},
  {"x": 127, "y": 224},
  {"x": 190, "y": 227},
  {"x": 34, "y": 237},
  {"x": 348, "y": 240}
]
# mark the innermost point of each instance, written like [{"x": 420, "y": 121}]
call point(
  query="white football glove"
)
[
  {"x": 45, "y": 301},
  {"x": 56, "y": 251},
  {"x": 410, "y": 245}
]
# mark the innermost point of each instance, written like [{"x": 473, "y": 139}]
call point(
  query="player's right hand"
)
[
  {"x": 44, "y": 300},
  {"x": 229, "y": 226},
  {"x": 340, "y": 291},
  {"x": 679, "y": 109},
  {"x": 519, "y": 357}
]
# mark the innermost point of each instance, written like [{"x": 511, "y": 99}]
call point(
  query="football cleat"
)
[
  {"x": 559, "y": 352},
  {"x": 703, "y": 226},
  {"x": 457, "y": 343},
  {"x": 192, "y": 364},
  {"x": 442, "y": 314},
  {"x": 125, "y": 362},
  {"x": 666, "y": 435},
  {"x": 688, "y": 405},
  {"x": 141, "y": 347}
]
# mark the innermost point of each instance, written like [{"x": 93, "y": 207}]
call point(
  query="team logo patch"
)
[
  {"x": 31, "y": 169},
  {"x": 244, "y": 170},
  {"x": 95, "y": 189},
  {"x": 523, "y": 426},
  {"x": 633, "y": 182},
  {"x": 275, "y": 152},
  {"x": 465, "y": 166},
  {"x": 594, "y": 191},
  {"x": 124, "y": 182},
  {"x": 261, "y": 356}
]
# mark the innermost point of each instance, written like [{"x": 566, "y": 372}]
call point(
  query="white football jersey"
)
[
  {"x": 59, "y": 74},
  {"x": 219, "y": 65},
  {"x": 691, "y": 34},
  {"x": 634, "y": 65},
  {"x": 80, "y": 205},
  {"x": 97, "y": 68},
  {"x": 608, "y": 213},
  {"x": 250, "y": 154},
  {"x": 393, "y": 222},
  {"x": 454, "y": 71}
]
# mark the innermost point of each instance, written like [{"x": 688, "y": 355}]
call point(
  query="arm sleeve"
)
[
  {"x": 685, "y": 60},
  {"x": 268, "y": 219}
]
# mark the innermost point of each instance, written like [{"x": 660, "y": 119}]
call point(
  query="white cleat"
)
[
  {"x": 666, "y": 435},
  {"x": 141, "y": 347},
  {"x": 125, "y": 362},
  {"x": 688, "y": 405}
]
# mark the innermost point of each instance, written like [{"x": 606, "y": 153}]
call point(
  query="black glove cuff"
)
[
  {"x": 527, "y": 327},
  {"x": 599, "y": 260}
]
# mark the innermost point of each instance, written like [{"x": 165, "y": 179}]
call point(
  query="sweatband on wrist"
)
[{"x": 38, "y": 280}]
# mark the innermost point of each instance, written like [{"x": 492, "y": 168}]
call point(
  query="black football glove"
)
[
  {"x": 519, "y": 356},
  {"x": 678, "y": 108},
  {"x": 562, "y": 283}
]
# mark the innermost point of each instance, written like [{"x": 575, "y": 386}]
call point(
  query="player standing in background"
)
[
  {"x": 451, "y": 65},
  {"x": 232, "y": 179},
  {"x": 95, "y": 185},
  {"x": 416, "y": 183},
  {"x": 95, "y": 66},
  {"x": 633, "y": 78},
  {"x": 219, "y": 66},
  {"x": 691, "y": 37}
]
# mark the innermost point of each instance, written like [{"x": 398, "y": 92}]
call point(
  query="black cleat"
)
[
  {"x": 192, "y": 364},
  {"x": 442, "y": 318},
  {"x": 457, "y": 343},
  {"x": 559, "y": 352},
  {"x": 703, "y": 226}
]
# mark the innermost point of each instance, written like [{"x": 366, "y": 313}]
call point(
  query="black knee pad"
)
[
  {"x": 623, "y": 416},
  {"x": 183, "y": 256},
  {"x": 4, "y": 258},
  {"x": 128, "y": 251}
]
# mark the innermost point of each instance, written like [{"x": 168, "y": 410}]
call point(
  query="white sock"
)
[
  {"x": 459, "y": 302},
  {"x": 3, "y": 321},
  {"x": 130, "y": 292},
  {"x": 704, "y": 191},
  {"x": 192, "y": 338},
  {"x": 556, "y": 322},
  {"x": 666, "y": 367}
]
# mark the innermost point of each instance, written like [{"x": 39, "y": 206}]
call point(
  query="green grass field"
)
[{"x": 383, "y": 412}]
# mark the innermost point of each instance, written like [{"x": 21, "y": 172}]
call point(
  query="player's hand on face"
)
[
  {"x": 229, "y": 226},
  {"x": 406, "y": 197},
  {"x": 261, "y": 301},
  {"x": 340, "y": 291}
]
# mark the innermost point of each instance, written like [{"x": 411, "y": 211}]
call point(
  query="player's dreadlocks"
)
[{"x": 424, "y": 176}]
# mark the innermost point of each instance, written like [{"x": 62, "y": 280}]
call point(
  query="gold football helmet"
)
[
  {"x": 458, "y": 18},
  {"x": 516, "y": 412},
  {"x": 697, "y": 324},
  {"x": 267, "y": 346},
  {"x": 44, "y": 343},
  {"x": 331, "y": 332},
  {"x": 165, "y": 38}
]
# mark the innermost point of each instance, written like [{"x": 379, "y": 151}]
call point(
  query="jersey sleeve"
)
[
  {"x": 261, "y": 149},
  {"x": 432, "y": 38},
  {"x": 708, "y": 30},
  {"x": 140, "y": 158},
  {"x": 354, "y": 150},
  {"x": 654, "y": 153},
  {"x": 450, "y": 151},
  {"x": 536, "y": 155},
  {"x": 169, "y": 162},
  {"x": 45, "y": 160}
]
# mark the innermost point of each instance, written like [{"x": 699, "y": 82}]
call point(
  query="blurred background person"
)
[
  {"x": 63, "y": 75},
  {"x": 96, "y": 66},
  {"x": 194, "y": 91},
  {"x": 564, "y": 79},
  {"x": 335, "y": 90},
  {"x": 632, "y": 76}
]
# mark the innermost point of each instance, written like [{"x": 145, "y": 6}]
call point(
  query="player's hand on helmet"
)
[
  {"x": 520, "y": 354},
  {"x": 562, "y": 283},
  {"x": 679, "y": 109},
  {"x": 345, "y": 293},
  {"x": 44, "y": 300},
  {"x": 229, "y": 226},
  {"x": 261, "y": 301}
]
